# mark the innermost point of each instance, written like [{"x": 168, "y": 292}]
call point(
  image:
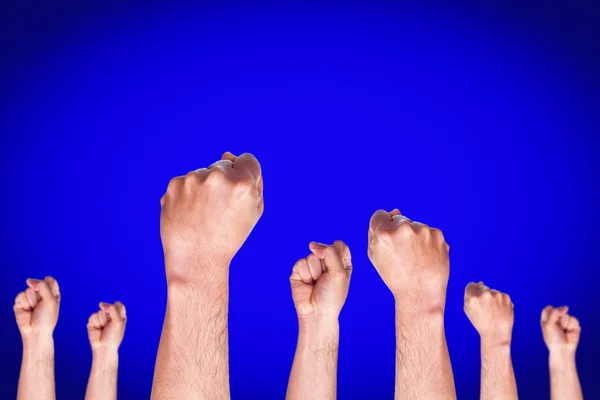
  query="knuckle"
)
[
  {"x": 405, "y": 228},
  {"x": 174, "y": 184}
]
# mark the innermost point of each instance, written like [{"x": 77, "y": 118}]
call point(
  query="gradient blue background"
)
[{"x": 479, "y": 119}]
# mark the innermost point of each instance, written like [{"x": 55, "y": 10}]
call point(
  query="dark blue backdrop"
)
[{"x": 477, "y": 119}]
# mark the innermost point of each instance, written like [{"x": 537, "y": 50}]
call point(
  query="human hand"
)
[
  {"x": 561, "y": 331},
  {"x": 411, "y": 258},
  {"x": 106, "y": 327},
  {"x": 491, "y": 313},
  {"x": 320, "y": 281},
  {"x": 36, "y": 309},
  {"x": 208, "y": 214}
]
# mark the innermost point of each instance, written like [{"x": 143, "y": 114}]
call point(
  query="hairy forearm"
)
[
  {"x": 423, "y": 369},
  {"x": 564, "y": 380},
  {"x": 497, "y": 375},
  {"x": 192, "y": 361},
  {"x": 36, "y": 381},
  {"x": 314, "y": 371},
  {"x": 102, "y": 384}
]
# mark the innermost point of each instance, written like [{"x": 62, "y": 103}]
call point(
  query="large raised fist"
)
[
  {"x": 491, "y": 313},
  {"x": 36, "y": 309},
  {"x": 208, "y": 214},
  {"x": 561, "y": 331},
  {"x": 106, "y": 327},
  {"x": 320, "y": 281},
  {"x": 411, "y": 258}
]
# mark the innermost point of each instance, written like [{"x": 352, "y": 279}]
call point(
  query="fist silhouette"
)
[
  {"x": 561, "y": 331},
  {"x": 208, "y": 214},
  {"x": 491, "y": 313},
  {"x": 320, "y": 281},
  {"x": 36, "y": 309},
  {"x": 106, "y": 327},
  {"x": 411, "y": 258}
]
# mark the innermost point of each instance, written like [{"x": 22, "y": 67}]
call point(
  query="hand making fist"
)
[
  {"x": 320, "y": 281},
  {"x": 491, "y": 313},
  {"x": 411, "y": 258},
  {"x": 36, "y": 309},
  {"x": 107, "y": 327},
  {"x": 208, "y": 214},
  {"x": 561, "y": 331}
]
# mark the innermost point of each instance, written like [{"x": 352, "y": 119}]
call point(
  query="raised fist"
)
[
  {"x": 320, "y": 281},
  {"x": 36, "y": 309},
  {"x": 411, "y": 258},
  {"x": 208, "y": 214},
  {"x": 491, "y": 313},
  {"x": 561, "y": 331},
  {"x": 107, "y": 327}
]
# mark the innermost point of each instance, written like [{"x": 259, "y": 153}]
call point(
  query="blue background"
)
[{"x": 479, "y": 119}]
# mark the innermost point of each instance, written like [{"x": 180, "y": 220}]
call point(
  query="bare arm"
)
[
  {"x": 314, "y": 372},
  {"x": 564, "y": 380},
  {"x": 102, "y": 384},
  {"x": 36, "y": 381},
  {"x": 192, "y": 361},
  {"x": 423, "y": 369},
  {"x": 497, "y": 374}
]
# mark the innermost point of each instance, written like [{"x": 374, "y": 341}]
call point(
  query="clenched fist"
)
[
  {"x": 208, "y": 214},
  {"x": 106, "y": 327},
  {"x": 491, "y": 313},
  {"x": 36, "y": 309},
  {"x": 411, "y": 258},
  {"x": 320, "y": 281},
  {"x": 561, "y": 331}
]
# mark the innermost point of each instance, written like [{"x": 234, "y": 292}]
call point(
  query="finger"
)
[
  {"x": 301, "y": 273},
  {"x": 42, "y": 288},
  {"x": 94, "y": 321},
  {"x": 379, "y": 218},
  {"x": 344, "y": 252},
  {"x": 121, "y": 309},
  {"x": 555, "y": 314},
  {"x": 223, "y": 165},
  {"x": 573, "y": 325},
  {"x": 471, "y": 290},
  {"x": 333, "y": 262},
  {"x": 228, "y": 156},
  {"x": 315, "y": 267},
  {"x": 53, "y": 284},
  {"x": 546, "y": 313},
  {"x": 21, "y": 302},
  {"x": 103, "y": 318},
  {"x": 114, "y": 315},
  {"x": 248, "y": 162},
  {"x": 563, "y": 321},
  {"x": 398, "y": 219},
  {"x": 418, "y": 226},
  {"x": 31, "y": 297}
]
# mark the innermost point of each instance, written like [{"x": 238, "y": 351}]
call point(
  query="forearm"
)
[
  {"x": 36, "y": 381},
  {"x": 564, "y": 380},
  {"x": 423, "y": 369},
  {"x": 314, "y": 371},
  {"x": 497, "y": 375},
  {"x": 102, "y": 384},
  {"x": 192, "y": 360}
]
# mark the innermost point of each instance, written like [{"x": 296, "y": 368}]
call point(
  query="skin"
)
[
  {"x": 492, "y": 315},
  {"x": 106, "y": 329},
  {"x": 561, "y": 333},
  {"x": 206, "y": 217},
  {"x": 320, "y": 285},
  {"x": 36, "y": 312},
  {"x": 412, "y": 259}
]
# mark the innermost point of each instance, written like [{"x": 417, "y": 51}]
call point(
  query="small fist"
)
[
  {"x": 320, "y": 281},
  {"x": 491, "y": 313},
  {"x": 107, "y": 327},
  {"x": 209, "y": 213},
  {"x": 36, "y": 309},
  {"x": 561, "y": 331},
  {"x": 411, "y": 258}
]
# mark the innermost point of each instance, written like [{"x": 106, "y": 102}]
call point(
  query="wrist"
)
[
  {"x": 561, "y": 357},
  {"x": 318, "y": 331},
  {"x": 37, "y": 339},
  {"x": 105, "y": 360},
  {"x": 495, "y": 342},
  {"x": 410, "y": 315}
]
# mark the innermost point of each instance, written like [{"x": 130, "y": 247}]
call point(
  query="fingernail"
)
[{"x": 317, "y": 244}]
